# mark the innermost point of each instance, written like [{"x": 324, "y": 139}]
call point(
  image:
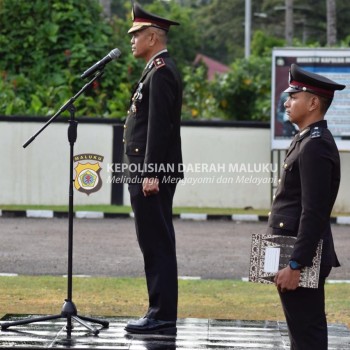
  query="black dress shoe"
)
[{"x": 151, "y": 326}]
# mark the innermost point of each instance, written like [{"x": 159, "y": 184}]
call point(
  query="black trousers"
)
[
  {"x": 156, "y": 237},
  {"x": 304, "y": 309}
]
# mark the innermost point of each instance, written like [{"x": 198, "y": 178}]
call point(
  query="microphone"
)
[{"x": 115, "y": 53}]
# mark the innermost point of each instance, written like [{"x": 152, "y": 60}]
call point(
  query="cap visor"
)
[{"x": 292, "y": 89}]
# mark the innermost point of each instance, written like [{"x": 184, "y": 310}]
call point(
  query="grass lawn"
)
[
  {"x": 107, "y": 296},
  {"x": 127, "y": 209},
  {"x": 124, "y": 209}
]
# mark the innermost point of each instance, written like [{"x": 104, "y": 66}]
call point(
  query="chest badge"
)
[
  {"x": 138, "y": 94},
  {"x": 137, "y": 97}
]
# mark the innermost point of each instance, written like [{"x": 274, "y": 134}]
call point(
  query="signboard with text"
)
[{"x": 331, "y": 63}]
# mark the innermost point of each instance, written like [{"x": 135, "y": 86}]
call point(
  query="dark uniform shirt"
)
[
  {"x": 152, "y": 128},
  {"x": 306, "y": 194}
]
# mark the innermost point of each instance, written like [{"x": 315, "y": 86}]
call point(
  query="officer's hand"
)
[
  {"x": 287, "y": 279},
  {"x": 150, "y": 186}
]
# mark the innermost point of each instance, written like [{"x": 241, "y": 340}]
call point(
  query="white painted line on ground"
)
[
  {"x": 246, "y": 279},
  {"x": 78, "y": 276},
  {"x": 343, "y": 220},
  {"x": 89, "y": 215},
  {"x": 337, "y": 281},
  {"x": 193, "y": 216},
  {"x": 48, "y": 214},
  {"x": 245, "y": 217}
]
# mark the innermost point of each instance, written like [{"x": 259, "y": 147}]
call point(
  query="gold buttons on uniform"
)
[
  {"x": 279, "y": 181},
  {"x": 285, "y": 165},
  {"x": 281, "y": 224},
  {"x": 136, "y": 149}
]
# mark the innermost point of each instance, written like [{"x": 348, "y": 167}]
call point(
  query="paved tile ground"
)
[{"x": 192, "y": 334}]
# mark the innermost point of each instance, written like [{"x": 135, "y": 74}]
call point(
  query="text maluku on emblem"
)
[{"x": 87, "y": 172}]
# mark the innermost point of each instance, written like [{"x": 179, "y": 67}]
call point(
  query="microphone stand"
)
[{"x": 69, "y": 310}]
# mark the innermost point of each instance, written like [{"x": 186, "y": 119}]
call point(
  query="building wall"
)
[
  {"x": 234, "y": 166},
  {"x": 39, "y": 173},
  {"x": 224, "y": 166}
]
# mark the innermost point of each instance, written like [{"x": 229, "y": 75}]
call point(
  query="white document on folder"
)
[{"x": 272, "y": 259}]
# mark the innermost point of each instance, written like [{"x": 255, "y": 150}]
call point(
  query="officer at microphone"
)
[{"x": 153, "y": 146}]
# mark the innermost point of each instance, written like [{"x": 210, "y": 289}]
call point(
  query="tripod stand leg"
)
[
  {"x": 69, "y": 311},
  {"x": 103, "y": 323},
  {"x": 29, "y": 320},
  {"x": 86, "y": 325}
]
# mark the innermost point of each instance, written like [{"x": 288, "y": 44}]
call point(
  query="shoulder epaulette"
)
[
  {"x": 316, "y": 132},
  {"x": 159, "y": 62}
]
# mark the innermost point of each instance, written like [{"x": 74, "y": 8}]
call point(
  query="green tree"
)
[
  {"x": 220, "y": 25},
  {"x": 53, "y": 42},
  {"x": 199, "y": 100},
  {"x": 183, "y": 39},
  {"x": 245, "y": 92},
  {"x": 263, "y": 44},
  {"x": 47, "y": 50},
  {"x": 46, "y": 45}
]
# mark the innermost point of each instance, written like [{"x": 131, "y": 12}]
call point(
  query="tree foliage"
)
[
  {"x": 53, "y": 42},
  {"x": 242, "y": 94},
  {"x": 221, "y": 24},
  {"x": 46, "y": 45},
  {"x": 221, "y": 28}
]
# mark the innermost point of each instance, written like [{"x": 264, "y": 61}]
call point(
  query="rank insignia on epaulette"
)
[
  {"x": 316, "y": 132},
  {"x": 159, "y": 62}
]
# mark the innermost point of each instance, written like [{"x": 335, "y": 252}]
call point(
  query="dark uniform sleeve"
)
[
  {"x": 315, "y": 165},
  {"x": 161, "y": 104}
]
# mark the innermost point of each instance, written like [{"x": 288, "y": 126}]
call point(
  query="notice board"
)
[{"x": 331, "y": 63}]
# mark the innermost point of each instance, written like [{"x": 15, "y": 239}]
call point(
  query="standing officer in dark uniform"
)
[
  {"x": 153, "y": 149},
  {"x": 303, "y": 203}
]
